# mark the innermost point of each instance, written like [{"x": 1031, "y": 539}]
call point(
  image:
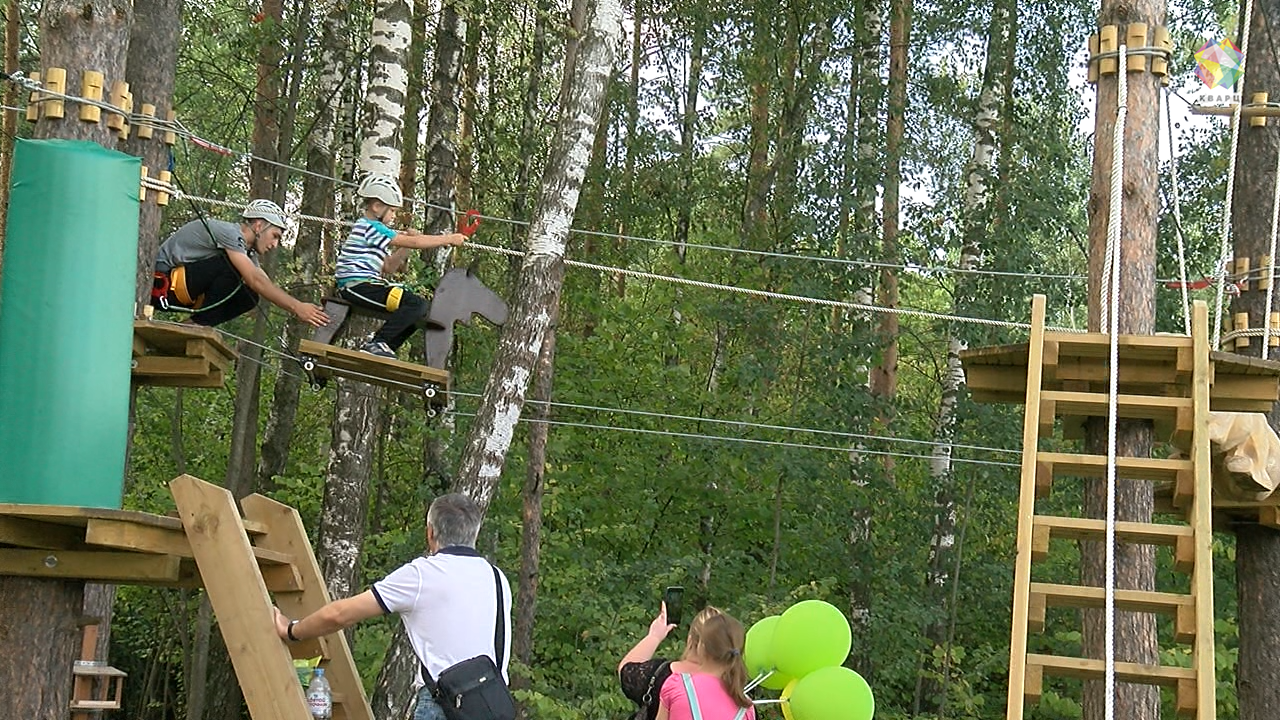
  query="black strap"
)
[{"x": 499, "y": 631}]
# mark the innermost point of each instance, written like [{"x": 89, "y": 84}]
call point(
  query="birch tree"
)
[
  {"x": 542, "y": 270},
  {"x": 978, "y": 175}
]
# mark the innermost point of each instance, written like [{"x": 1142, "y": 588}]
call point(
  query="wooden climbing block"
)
[
  {"x": 179, "y": 355},
  {"x": 332, "y": 361}
]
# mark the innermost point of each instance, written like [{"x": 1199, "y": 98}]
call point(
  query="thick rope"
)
[
  {"x": 1110, "y": 309},
  {"x": 1224, "y": 256},
  {"x": 1174, "y": 196}
]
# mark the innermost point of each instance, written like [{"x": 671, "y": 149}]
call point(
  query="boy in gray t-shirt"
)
[{"x": 210, "y": 268}]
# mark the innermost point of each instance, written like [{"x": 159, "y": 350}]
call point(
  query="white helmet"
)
[
  {"x": 381, "y": 187},
  {"x": 264, "y": 210}
]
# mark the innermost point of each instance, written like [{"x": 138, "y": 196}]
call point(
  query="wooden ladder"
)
[
  {"x": 236, "y": 570},
  {"x": 1183, "y": 418}
]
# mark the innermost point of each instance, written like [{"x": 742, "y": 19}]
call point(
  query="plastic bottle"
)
[{"x": 320, "y": 697}]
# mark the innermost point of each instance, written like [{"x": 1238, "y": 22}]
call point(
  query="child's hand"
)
[{"x": 392, "y": 265}]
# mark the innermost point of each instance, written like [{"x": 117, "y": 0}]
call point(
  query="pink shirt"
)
[{"x": 713, "y": 701}]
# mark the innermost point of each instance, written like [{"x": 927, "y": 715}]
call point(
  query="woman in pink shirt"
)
[{"x": 707, "y": 682}]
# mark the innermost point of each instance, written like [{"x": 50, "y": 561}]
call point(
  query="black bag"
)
[{"x": 474, "y": 689}]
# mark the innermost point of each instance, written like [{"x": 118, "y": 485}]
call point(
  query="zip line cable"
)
[{"x": 645, "y": 413}]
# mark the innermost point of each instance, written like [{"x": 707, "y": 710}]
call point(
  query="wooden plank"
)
[
  {"x": 1143, "y": 407},
  {"x": 90, "y": 565},
  {"x": 1070, "y": 528},
  {"x": 26, "y": 533},
  {"x": 171, "y": 338},
  {"x": 287, "y": 535},
  {"x": 122, "y": 535},
  {"x": 1026, "y": 508},
  {"x": 80, "y": 516},
  {"x": 1079, "y": 596},
  {"x": 215, "y": 379},
  {"x": 1202, "y": 520},
  {"x": 1090, "y": 669},
  {"x": 372, "y": 364},
  {"x": 164, "y": 366},
  {"x": 1129, "y": 468},
  {"x": 239, "y": 598}
]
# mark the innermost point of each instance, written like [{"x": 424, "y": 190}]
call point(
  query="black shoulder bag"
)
[{"x": 473, "y": 689}]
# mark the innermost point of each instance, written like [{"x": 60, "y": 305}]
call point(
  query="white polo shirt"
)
[{"x": 448, "y": 605}]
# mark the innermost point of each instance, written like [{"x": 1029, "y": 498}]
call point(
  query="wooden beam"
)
[
  {"x": 239, "y": 598},
  {"x": 93, "y": 566},
  {"x": 41, "y": 535},
  {"x": 1201, "y": 519}
]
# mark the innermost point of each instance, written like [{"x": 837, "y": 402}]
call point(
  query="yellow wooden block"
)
[
  {"x": 142, "y": 186},
  {"x": 1033, "y": 683},
  {"x": 1242, "y": 272},
  {"x": 162, "y": 197},
  {"x": 1107, "y": 43},
  {"x": 115, "y": 120},
  {"x": 91, "y": 89},
  {"x": 128, "y": 110},
  {"x": 1136, "y": 39},
  {"x": 1258, "y": 98},
  {"x": 1184, "y": 555},
  {"x": 1160, "y": 63},
  {"x": 1242, "y": 323},
  {"x": 170, "y": 137},
  {"x": 33, "y": 103},
  {"x": 1184, "y": 624},
  {"x": 1093, "y": 53},
  {"x": 1265, "y": 272},
  {"x": 1185, "y": 703},
  {"x": 146, "y": 131},
  {"x": 56, "y": 81}
]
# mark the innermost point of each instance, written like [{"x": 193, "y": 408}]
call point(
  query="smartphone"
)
[{"x": 673, "y": 596}]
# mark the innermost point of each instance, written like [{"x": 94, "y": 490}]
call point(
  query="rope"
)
[
  {"x": 1177, "y": 214},
  {"x": 1225, "y": 254},
  {"x": 1111, "y": 315}
]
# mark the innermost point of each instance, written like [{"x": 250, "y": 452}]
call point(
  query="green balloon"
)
[
  {"x": 758, "y": 653},
  {"x": 832, "y": 693},
  {"x": 776, "y": 681},
  {"x": 811, "y": 634}
]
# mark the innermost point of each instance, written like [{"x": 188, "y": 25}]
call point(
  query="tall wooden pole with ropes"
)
[
  {"x": 1253, "y": 220},
  {"x": 1135, "y": 639}
]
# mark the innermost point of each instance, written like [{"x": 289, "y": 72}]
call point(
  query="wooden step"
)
[
  {"x": 1047, "y": 595},
  {"x": 1180, "y": 537},
  {"x": 1055, "y": 464},
  {"x": 1089, "y": 669},
  {"x": 1173, "y": 416}
]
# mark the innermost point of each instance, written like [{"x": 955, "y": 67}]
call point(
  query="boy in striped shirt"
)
[{"x": 362, "y": 265}]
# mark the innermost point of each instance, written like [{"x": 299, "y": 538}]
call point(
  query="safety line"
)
[{"x": 1177, "y": 214}]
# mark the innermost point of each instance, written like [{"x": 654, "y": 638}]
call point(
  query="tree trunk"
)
[
  {"x": 759, "y": 78},
  {"x": 689, "y": 135},
  {"x": 884, "y": 376},
  {"x": 929, "y": 694},
  {"x": 317, "y": 199},
  {"x": 542, "y": 271},
  {"x": 531, "y": 527},
  {"x": 529, "y": 115},
  {"x": 470, "y": 118},
  {"x": 1257, "y": 546},
  {"x": 346, "y": 489},
  {"x": 1135, "y": 634},
  {"x": 44, "y": 614},
  {"x": 442, "y": 123},
  {"x": 9, "y": 121},
  {"x": 413, "y": 100},
  {"x": 388, "y": 85}
]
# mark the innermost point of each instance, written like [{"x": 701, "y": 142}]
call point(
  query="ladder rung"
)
[
  {"x": 1068, "y": 528},
  {"x": 1147, "y": 407},
  {"x": 1131, "y": 347},
  {"x": 1090, "y": 669},
  {"x": 1078, "y": 596},
  {"x": 1128, "y": 468}
]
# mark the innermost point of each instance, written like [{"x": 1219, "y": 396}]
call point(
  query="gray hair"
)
[{"x": 454, "y": 520}]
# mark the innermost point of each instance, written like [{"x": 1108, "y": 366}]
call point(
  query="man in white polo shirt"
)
[{"x": 448, "y": 601}]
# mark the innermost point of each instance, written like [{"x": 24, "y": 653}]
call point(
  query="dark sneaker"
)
[{"x": 379, "y": 348}]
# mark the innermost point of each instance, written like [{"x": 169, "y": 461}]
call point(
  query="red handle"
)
[{"x": 469, "y": 223}]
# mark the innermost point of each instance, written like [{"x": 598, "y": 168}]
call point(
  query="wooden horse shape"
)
[{"x": 458, "y": 297}]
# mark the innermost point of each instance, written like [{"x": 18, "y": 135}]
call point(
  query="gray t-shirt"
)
[{"x": 193, "y": 242}]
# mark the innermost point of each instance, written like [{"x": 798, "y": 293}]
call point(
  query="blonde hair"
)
[{"x": 717, "y": 638}]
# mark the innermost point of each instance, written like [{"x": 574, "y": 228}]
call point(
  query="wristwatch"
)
[{"x": 289, "y": 632}]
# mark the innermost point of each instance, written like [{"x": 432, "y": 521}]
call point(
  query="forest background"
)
[{"x": 927, "y": 155}]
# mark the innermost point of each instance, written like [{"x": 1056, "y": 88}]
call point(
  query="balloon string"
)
[
  {"x": 757, "y": 680},
  {"x": 767, "y": 702}
]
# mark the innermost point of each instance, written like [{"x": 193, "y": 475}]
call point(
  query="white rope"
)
[
  {"x": 1177, "y": 213},
  {"x": 1224, "y": 256},
  {"x": 1271, "y": 256},
  {"x": 1110, "y": 309}
]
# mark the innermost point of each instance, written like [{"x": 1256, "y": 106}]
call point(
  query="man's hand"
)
[
  {"x": 312, "y": 314},
  {"x": 282, "y": 623},
  {"x": 453, "y": 239}
]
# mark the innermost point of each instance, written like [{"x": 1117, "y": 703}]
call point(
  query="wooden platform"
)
[
  {"x": 325, "y": 361},
  {"x": 179, "y": 355},
  {"x": 246, "y": 562},
  {"x": 1149, "y": 365}
]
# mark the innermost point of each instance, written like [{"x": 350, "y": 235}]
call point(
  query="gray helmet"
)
[
  {"x": 381, "y": 187},
  {"x": 264, "y": 210}
]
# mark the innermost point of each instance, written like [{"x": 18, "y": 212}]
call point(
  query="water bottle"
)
[{"x": 319, "y": 697}]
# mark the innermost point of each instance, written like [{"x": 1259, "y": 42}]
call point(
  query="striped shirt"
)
[{"x": 362, "y": 253}]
